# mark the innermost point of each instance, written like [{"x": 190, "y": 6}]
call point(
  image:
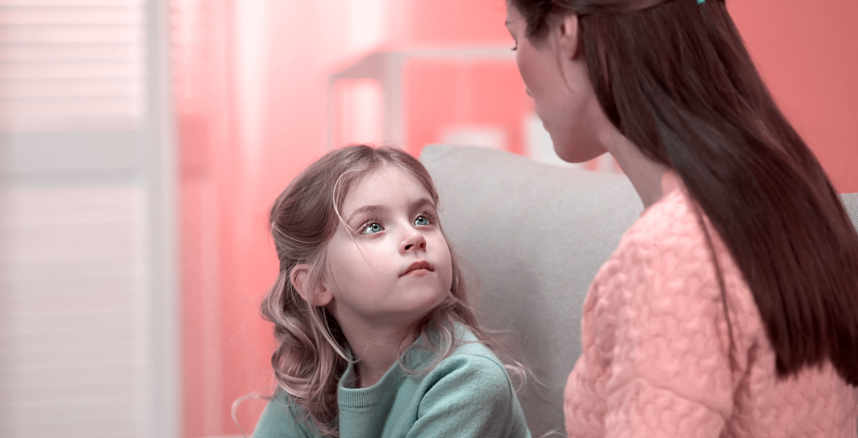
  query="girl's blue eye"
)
[
  {"x": 421, "y": 220},
  {"x": 372, "y": 228}
]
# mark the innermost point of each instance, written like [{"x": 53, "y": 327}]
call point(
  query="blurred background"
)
[{"x": 143, "y": 142}]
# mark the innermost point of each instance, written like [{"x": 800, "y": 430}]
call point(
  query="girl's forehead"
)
[{"x": 380, "y": 185}]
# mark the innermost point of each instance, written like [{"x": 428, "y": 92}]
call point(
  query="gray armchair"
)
[{"x": 533, "y": 236}]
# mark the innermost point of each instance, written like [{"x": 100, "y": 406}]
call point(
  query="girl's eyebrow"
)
[
  {"x": 423, "y": 202},
  {"x": 365, "y": 209}
]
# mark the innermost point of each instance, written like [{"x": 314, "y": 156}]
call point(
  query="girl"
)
[
  {"x": 730, "y": 309},
  {"x": 376, "y": 337}
]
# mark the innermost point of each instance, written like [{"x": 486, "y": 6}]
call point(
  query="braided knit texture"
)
[{"x": 656, "y": 356}]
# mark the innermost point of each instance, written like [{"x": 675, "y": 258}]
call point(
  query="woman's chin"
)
[{"x": 577, "y": 154}]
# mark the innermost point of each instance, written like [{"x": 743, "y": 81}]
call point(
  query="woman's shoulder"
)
[
  {"x": 669, "y": 229},
  {"x": 671, "y": 220},
  {"x": 672, "y": 243}
]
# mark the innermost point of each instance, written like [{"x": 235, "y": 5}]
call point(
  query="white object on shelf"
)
[
  {"x": 386, "y": 66},
  {"x": 493, "y": 137}
]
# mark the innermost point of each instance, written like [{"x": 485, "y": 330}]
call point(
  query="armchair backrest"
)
[{"x": 533, "y": 236}]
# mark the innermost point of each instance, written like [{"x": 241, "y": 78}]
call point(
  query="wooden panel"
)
[{"x": 72, "y": 271}]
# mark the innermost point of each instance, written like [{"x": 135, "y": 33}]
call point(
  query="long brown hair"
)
[
  {"x": 675, "y": 78},
  {"x": 311, "y": 353}
]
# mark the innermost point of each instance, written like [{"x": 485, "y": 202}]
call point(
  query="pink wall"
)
[
  {"x": 264, "y": 120},
  {"x": 808, "y": 55}
]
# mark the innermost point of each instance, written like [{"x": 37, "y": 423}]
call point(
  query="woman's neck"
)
[{"x": 650, "y": 179}]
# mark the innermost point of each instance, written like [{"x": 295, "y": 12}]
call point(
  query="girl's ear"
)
[
  {"x": 568, "y": 36},
  {"x": 312, "y": 291}
]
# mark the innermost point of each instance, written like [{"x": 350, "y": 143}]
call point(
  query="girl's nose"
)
[{"x": 413, "y": 241}]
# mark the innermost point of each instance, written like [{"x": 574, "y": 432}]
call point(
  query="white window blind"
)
[
  {"x": 87, "y": 314},
  {"x": 72, "y": 64}
]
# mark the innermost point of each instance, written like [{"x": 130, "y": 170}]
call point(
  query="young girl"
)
[
  {"x": 730, "y": 309},
  {"x": 376, "y": 337}
]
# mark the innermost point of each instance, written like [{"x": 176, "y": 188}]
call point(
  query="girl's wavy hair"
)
[
  {"x": 311, "y": 355},
  {"x": 675, "y": 78}
]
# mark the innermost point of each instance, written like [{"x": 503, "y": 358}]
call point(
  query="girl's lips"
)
[{"x": 420, "y": 264}]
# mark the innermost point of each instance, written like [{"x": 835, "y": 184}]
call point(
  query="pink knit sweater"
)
[{"x": 655, "y": 359}]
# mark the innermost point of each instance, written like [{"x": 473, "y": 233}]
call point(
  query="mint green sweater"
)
[{"x": 468, "y": 394}]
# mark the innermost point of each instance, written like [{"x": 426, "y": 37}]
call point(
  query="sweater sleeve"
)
[
  {"x": 664, "y": 335},
  {"x": 469, "y": 396},
  {"x": 279, "y": 420}
]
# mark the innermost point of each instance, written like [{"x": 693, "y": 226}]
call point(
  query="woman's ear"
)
[
  {"x": 568, "y": 36},
  {"x": 311, "y": 290}
]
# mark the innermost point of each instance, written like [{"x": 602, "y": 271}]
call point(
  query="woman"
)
[{"x": 730, "y": 308}]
